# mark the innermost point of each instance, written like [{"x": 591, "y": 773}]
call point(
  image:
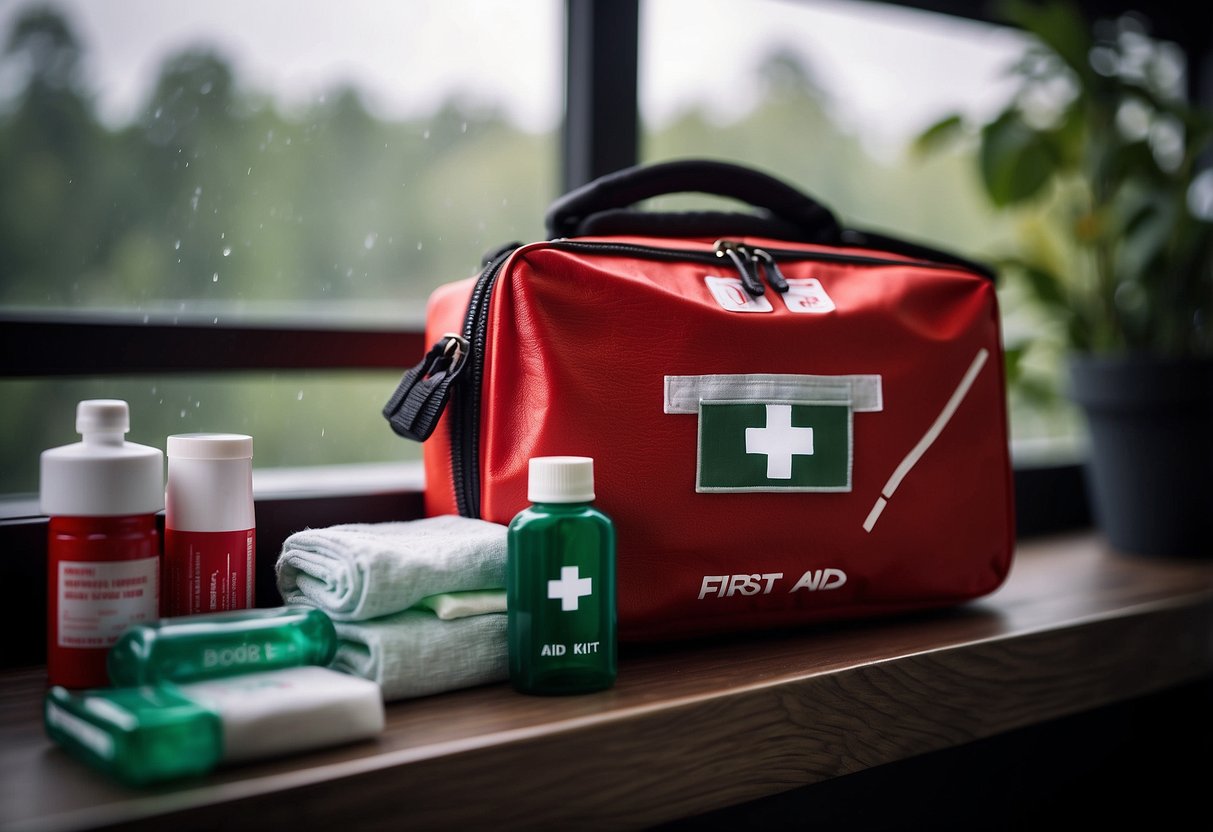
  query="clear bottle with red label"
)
[
  {"x": 102, "y": 496},
  {"x": 209, "y": 528}
]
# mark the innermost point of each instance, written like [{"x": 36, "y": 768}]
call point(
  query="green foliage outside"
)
[
  {"x": 1098, "y": 160},
  {"x": 215, "y": 201}
]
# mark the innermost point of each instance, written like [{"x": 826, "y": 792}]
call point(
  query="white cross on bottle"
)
[{"x": 570, "y": 588}]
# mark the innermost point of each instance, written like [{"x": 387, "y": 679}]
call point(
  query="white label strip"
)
[
  {"x": 928, "y": 438},
  {"x": 683, "y": 393},
  {"x": 87, "y": 734}
]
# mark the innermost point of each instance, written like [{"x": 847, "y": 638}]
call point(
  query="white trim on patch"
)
[{"x": 683, "y": 393}]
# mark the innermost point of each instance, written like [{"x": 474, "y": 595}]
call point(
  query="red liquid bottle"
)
[{"x": 103, "y": 551}]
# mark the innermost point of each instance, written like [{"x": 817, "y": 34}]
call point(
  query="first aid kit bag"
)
[{"x": 791, "y": 421}]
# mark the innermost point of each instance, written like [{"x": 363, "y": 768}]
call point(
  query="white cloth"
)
[
  {"x": 450, "y": 605},
  {"x": 360, "y": 571},
  {"x": 415, "y": 653}
]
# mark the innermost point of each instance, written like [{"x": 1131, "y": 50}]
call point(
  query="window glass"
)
[
  {"x": 831, "y": 96},
  {"x": 232, "y": 158},
  {"x": 296, "y": 419}
]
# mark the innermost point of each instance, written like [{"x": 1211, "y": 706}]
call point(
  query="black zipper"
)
[
  {"x": 749, "y": 261},
  {"x": 465, "y": 426}
]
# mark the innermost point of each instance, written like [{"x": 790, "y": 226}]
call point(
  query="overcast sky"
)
[{"x": 890, "y": 71}]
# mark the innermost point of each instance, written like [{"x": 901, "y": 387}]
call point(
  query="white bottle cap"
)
[
  {"x": 210, "y": 446},
  {"x": 103, "y": 475},
  {"x": 103, "y": 416},
  {"x": 210, "y": 482},
  {"x": 560, "y": 479}
]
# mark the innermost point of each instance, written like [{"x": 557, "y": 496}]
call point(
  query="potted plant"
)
[{"x": 1099, "y": 156}]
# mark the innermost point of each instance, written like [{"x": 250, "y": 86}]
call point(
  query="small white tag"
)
[
  {"x": 731, "y": 295},
  {"x": 807, "y": 296}
]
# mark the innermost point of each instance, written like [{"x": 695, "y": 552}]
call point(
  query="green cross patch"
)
[{"x": 774, "y": 446}]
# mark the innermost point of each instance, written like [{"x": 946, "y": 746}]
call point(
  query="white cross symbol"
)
[
  {"x": 569, "y": 588},
  {"x": 779, "y": 441}
]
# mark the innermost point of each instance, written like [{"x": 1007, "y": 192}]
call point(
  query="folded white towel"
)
[
  {"x": 360, "y": 571},
  {"x": 415, "y": 653}
]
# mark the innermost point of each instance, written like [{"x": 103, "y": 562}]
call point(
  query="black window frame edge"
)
[{"x": 601, "y": 134}]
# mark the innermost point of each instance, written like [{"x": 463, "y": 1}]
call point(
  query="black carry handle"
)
[{"x": 600, "y": 207}]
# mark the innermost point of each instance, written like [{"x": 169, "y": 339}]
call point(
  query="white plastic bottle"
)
[
  {"x": 102, "y": 495},
  {"x": 209, "y": 527}
]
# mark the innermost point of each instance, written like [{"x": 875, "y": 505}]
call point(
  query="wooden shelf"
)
[{"x": 689, "y": 727}]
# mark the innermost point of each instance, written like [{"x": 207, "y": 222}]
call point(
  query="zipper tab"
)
[
  {"x": 763, "y": 258},
  {"x": 423, "y": 392},
  {"x": 740, "y": 255}
]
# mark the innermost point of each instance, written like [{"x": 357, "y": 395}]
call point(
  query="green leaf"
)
[
  {"x": 939, "y": 135},
  {"x": 1047, "y": 287},
  {"x": 1016, "y": 161},
  {"x": 1059, "y": 25}
]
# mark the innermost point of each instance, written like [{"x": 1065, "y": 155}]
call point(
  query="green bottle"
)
[{"x": 560, "y": 583}]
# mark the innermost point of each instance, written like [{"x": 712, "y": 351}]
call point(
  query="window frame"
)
[{"x": 601, "y": 133}]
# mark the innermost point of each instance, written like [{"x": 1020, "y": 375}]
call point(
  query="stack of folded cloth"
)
[{"x": 419, "y": 605}]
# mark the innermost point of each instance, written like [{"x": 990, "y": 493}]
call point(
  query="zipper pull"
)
[
  {"x": 774, "y": 275},
  {"x": 423, "y": 392},
  {"x": 740, "y": 256}
]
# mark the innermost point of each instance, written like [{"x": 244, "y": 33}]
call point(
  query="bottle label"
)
[
  {"x": 99, "y": 600},
  {"x": 208, "y": 571}
]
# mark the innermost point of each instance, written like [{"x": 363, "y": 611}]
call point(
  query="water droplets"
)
[
  {"x": 299, "y": 396},
  {"x": 215, "y": 277},
  {"x": 369, "y": 242},
  {"x": 227, "y": 251}
]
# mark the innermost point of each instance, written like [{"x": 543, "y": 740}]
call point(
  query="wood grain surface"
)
[{"x": 689, "y": 727}]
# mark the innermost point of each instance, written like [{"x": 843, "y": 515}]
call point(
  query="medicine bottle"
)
[
  {"x": 209, "y": 525},
  {"x": 560, "y": 583},
  {"x": 102, "y": 495}
]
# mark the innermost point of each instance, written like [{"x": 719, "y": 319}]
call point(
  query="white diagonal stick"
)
[{"x": 915, "y": 454}]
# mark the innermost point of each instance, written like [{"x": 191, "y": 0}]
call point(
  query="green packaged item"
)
[
  {"x": 152, "y": 733},
  {"x": 212, "y": 645},
  {"x": 138, "y": 735}
]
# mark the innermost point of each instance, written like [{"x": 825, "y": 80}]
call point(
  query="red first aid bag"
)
[{"x": 790, "y": 421}]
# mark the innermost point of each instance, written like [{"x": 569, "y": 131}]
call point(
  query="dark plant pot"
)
[{"x": 1150, "y": 472}]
